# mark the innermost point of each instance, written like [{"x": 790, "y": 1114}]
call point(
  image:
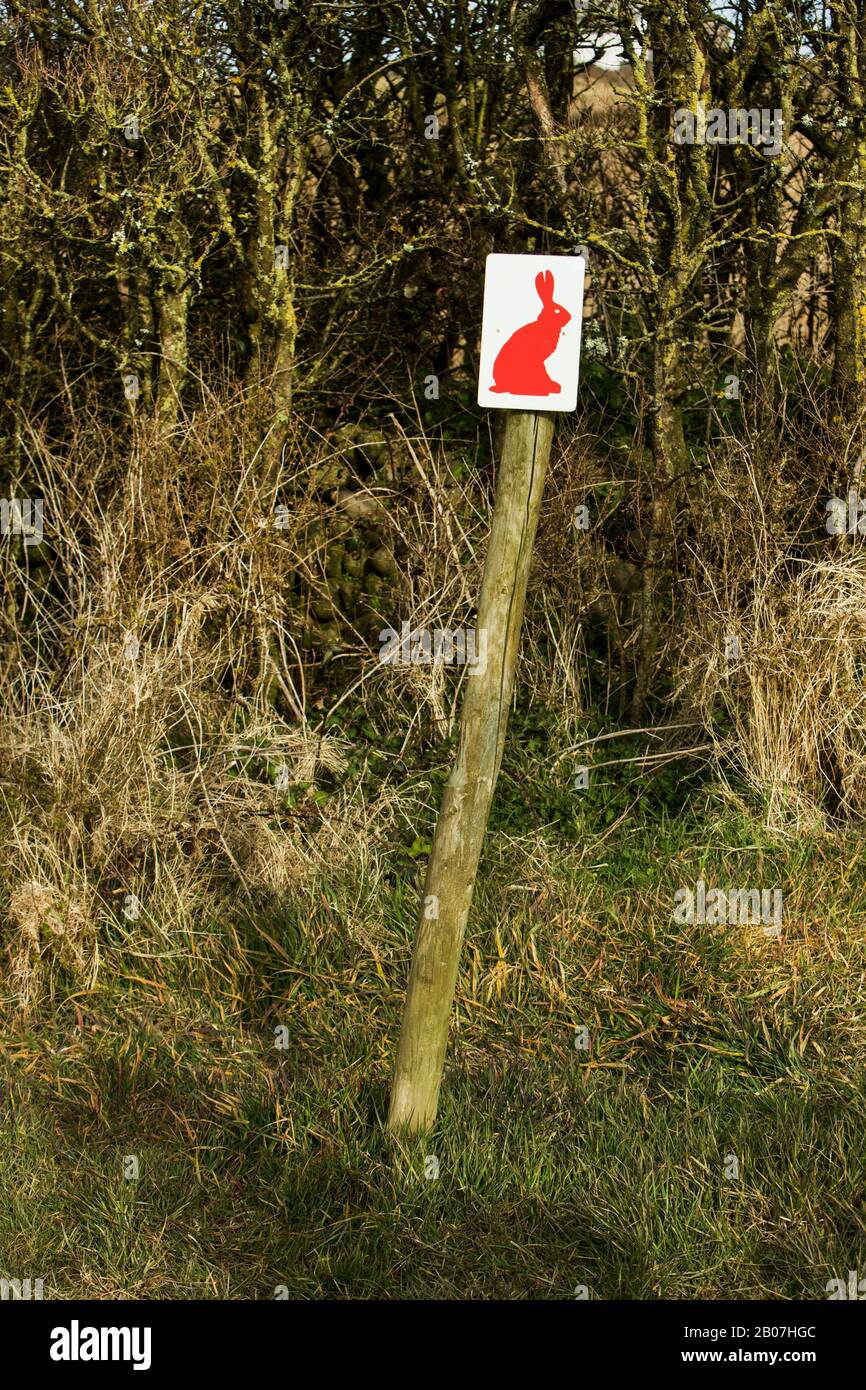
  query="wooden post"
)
[{"x": 466, "y": 802}]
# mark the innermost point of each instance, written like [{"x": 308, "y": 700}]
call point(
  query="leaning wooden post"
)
[
  {"x": 466, "y": 802},
  {"x": 463, "y": 816}
]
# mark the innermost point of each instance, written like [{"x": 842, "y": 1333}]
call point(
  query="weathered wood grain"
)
[{"x": 468, "y": 795}]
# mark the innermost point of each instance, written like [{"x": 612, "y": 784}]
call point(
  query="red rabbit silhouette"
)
[{"x": 519, "y": 367}]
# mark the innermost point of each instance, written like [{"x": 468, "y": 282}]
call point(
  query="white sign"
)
[{"x": 530, "y": 335}]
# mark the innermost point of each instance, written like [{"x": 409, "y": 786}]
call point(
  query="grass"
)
[
  {"x": 265, "y": 1167},
  {"x": 707, "y": 1143}
]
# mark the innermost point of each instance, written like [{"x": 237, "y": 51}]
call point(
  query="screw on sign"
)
[{"x": 530, "y": 354}]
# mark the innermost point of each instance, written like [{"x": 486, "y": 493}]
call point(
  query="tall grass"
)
[{"x": 214, "y": 841}]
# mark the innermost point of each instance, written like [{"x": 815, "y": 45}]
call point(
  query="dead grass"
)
[
  {"x": 192, "y": 873},
  {"x": 775, "y": 654}
]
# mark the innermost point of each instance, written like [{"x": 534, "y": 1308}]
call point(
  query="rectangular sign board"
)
[{"x": 530, "y": 334}]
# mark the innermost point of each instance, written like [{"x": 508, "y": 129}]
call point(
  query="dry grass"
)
[
  {"x": 274, "y": 850},
  {"x": 776, "y": 655}
]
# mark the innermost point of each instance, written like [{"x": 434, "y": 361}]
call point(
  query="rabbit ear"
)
[{"x": 544, "y": 285}]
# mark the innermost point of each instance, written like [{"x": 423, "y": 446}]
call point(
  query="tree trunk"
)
[
  {"x": 669, "y": 458},
  {"x": 849, "y": 266},
  {"x": 172, "y": 307}
]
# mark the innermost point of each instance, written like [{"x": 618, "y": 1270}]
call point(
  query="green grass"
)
[{"x": 263, "y": 1167}]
